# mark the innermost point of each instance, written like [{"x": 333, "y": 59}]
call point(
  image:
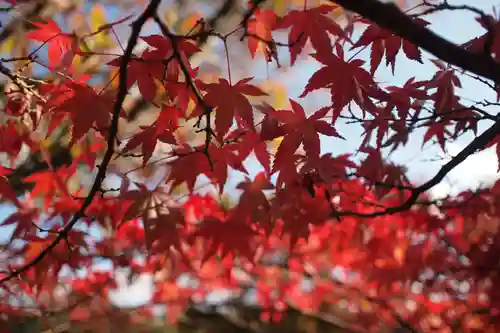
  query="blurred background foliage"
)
[{"x": 236, "y": 318}]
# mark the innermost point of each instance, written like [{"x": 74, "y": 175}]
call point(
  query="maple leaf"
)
[
  {"x": 383, "y": 41},
  {"x": 301, "y": 129},
  {"x": 312, "y": 25},
  {"x": 157, "y": 64},
  {"x": 165, "y": 231},
  {"x": 409, "y": 96},
  {"x": 49, "y": 183},
  {"x": 231, "y": 235},
  {"x": 329, "y": 167},
  {"x": 165, "y": 50},
  {"x": 444, "y": 98},
  {"x": 162, "y": 129},
  {"x": 252, "y": 142},
  {"x": 23, "y": 219},
  {"x": 347, "y": 81},
  {"x": 229, "y": 100},
  {"x": 223, "y": 158},
  {"x": 143, "y": 71},
  {"x": 60, "y": 45},
  {"x": 478, "y": 44},
  {"x": 259, "y": 29},
  {"x": 181, "y": 94},
  {"x": 439, "y": 131},
  {"x": 366, "y": 169},
  {"x": 86, "y": 108},
  {"x": 270, "y": 128},
  {"x": 298, "y": 210},
  {"x": 187, "y": 168},
  {"x": 7, "y": 192},
  {"x": 254, "y": 202},
  {"x": 11, "y": 140}
]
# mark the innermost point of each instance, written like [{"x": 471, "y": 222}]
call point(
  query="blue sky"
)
[{"x": 456, "y": 26}]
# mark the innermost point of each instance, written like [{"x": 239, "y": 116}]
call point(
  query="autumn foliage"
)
[{"x": 179, "y": 166}]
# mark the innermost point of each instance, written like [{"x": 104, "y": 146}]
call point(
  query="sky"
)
[{"x": 478, "y": 169}]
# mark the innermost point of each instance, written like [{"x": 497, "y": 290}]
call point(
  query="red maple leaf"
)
[
  {"x": 312, "y": 25},
  {"x": 251, "y": 141},
  {"x": 383, "y": 41},
  {"x": 157, "y": 64},
  {"x": 164, "y": 49},
  {"x": 61, "y": 46},
  {"x": 187, "y": 167},
  {"x": 23, "y": 219},
  {"x": 253, "y": 201},
  {"x": 143, "y": 70},
  {"x": 11, "y": 141},
  {"x": 229, "y": 100},
  {"x": 439, "y": 131},
  {"x": 478, "y": 44},
  {"x": 301, "y": 129},
  {"x": 162, "y": 129},
  {"x": 270, "y": 127},
  {"x": 347, "y": 80},
  {"x": 229, "y": 236},
  {"x": 445, "y": 100},
  {"x": 165, "y": 231},
  {"x": 80, "y": 102},
  {"x": 223, "y": 158},
  {"x": 49, "y": 183}
]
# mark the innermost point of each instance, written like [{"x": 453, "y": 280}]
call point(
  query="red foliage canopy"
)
[{"x": 310, "y": 227}]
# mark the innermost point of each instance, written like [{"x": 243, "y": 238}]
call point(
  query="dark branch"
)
[{"x": 388, "y": 16}]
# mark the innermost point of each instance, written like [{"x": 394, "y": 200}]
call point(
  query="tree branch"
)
[{"x": 388, "y": 16}]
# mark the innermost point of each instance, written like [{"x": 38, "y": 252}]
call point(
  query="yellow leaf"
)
[
  {"x": 45, "y": 144},
  {"x": 160, "y": 91},
  {"x": 77, "y": 62},
  {"x": 365, "y": 305},
  {"x": 179, "y": 190},
  {"x": 97, "y": 17},
  {"x": 171, "y": 17},
  {"x": 189, "y": 23},
  {"x": 277, "y": 94},
  {"x": 275, "y": 144},
  {"x": 9, "y": 45},
  {"x": 98, "y": 20},
  {"x": 280, "y": 7},
  {"x": 76, "y": 150}
]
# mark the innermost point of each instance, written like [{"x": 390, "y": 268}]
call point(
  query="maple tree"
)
[{"x": 150, "y": 155}]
